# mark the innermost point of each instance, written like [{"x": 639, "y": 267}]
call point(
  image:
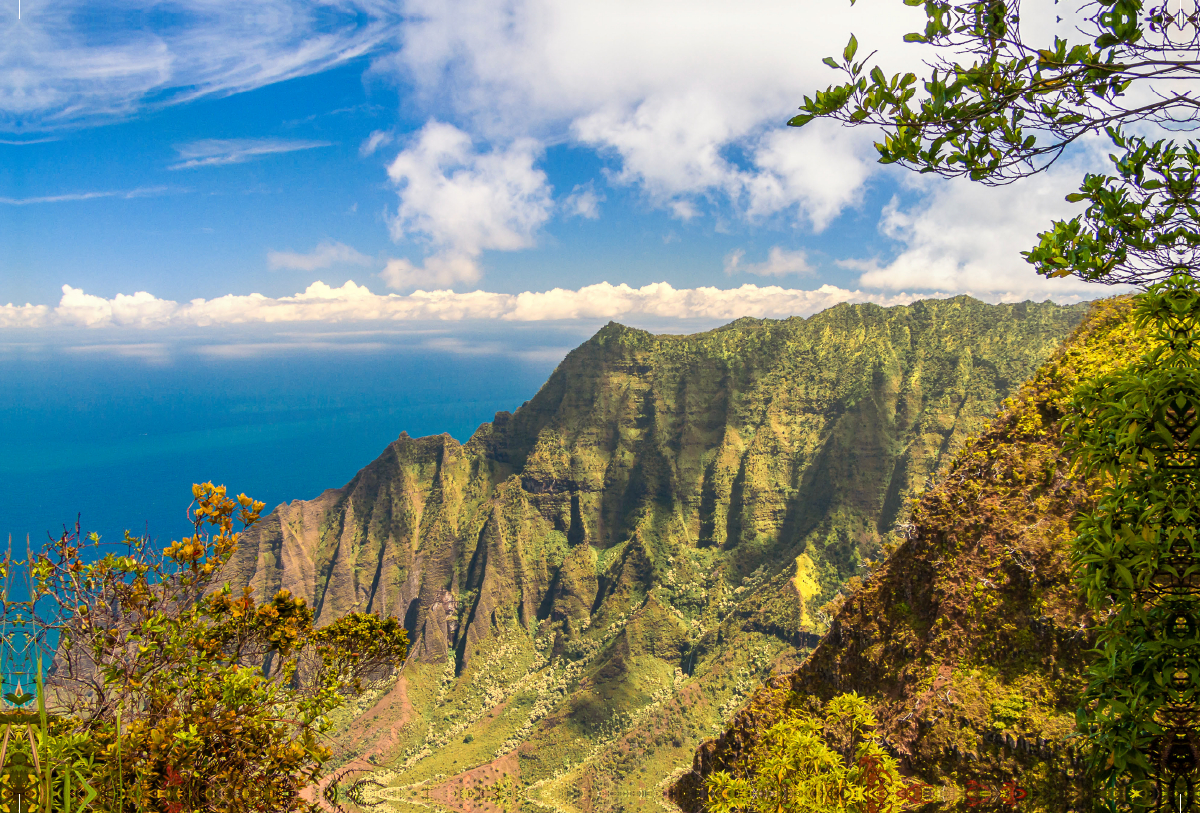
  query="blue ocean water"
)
[{"x": 119, "y": 439}]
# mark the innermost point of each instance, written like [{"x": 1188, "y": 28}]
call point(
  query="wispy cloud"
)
[
  {"x": 72, "y": 62},
  {"x": 140, "y": 192},
  {"x": 325, "y": 255},
  {"x": 211, "y": 152},
  {"x": 350, "y": 303},
  {"x": 152, "y": 352},
  {"x": 377, "y": 139},
  {"x": 240, "y": 350}
]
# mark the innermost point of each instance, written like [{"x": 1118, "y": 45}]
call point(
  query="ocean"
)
[{"x": 117, "y": 437}]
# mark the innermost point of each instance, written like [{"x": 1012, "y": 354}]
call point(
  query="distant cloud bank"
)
[{"x": 320, "y": 303}]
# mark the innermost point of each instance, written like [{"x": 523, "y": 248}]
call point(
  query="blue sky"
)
[{"x": 559, "y": 157}]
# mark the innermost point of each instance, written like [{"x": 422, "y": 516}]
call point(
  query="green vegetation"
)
[
  {"x": 169, "y": 691},
  {"x": 1137, "y": 431},
  {"x": 972, "y": 634},
  {"x": 824, "y": 765}
]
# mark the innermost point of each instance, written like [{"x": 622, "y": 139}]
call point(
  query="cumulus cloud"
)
[
  {"x": 606, "y": 301},
  {"x": 74, "y": 62},
  {"x": 140, "y": 309},
  {"x": 321, "y": 303},
  {"x": 326, "y": 255},
  {"x": 211, "y": 152},
  {"x": 820, "y": 170},
  {"x": 24, "y": 315},
  {"x": 463, "y": 202},
  {"x": 779, "y": 261},
  {"x": 691, "y": 106},
  {"x": 675, "y": 150}
]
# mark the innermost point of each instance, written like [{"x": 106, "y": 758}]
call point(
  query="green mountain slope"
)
[
  {"x": 596, "y": 582},
  {"x": 970, "y": 641}
]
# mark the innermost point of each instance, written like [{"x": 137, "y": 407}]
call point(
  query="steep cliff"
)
[
  {"x": 596, "y": 581},
  {"x": 970, "y": 641}
]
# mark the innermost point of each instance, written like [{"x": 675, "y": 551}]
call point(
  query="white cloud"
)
[
  {"x": 583, "y": 201},
  {"x": 139, "y": 310},
  {"x": 442, "y": 270},
  {"x": 779, "y": 262},
  {"x": 377, "y": 139},
  {"x": 820, "y": 169},
  {"x": 659, "y": 299},
  {"x": 321, "y": 303},
  {"x": 74, "y": 62},
  {"x": 243, "y": 350},
  {"x": 688, "y": 100},
  {"x": 326, "y": 255},
  {"x": 962, "y": 236},
  {"x": 217, "y": 151},
  {"x": 23, "y": 315},
  {"x": 691, "y": 100},
  {"x": 464, "y": 202}
]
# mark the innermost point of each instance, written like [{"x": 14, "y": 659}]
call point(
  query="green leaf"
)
[
  {"x": 1126, "y": 576},
  {"x": 1075, "y": 197},
  {"x": 800, "y": 121},
  {"x": 915, "y": 37},
  {"x": 831, "y": 62},
  {"x": 851, "y": 49}
]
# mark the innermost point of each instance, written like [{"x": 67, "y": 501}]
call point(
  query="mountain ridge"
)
[{"x": 593, "y": 581}]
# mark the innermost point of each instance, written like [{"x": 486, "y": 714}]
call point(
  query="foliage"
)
[
  {"x": 186, "y": 692},
  {"x": 1015, "y": 107},
  {"x": 1140, "y": 225},
  {"x": 804, "y": 763},
  {"x": 1138, "y": 432}
]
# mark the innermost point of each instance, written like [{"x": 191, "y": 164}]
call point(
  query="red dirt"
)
[
  {"x": 450, "y": 792},
  {"x": 371, "y": 737}
]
